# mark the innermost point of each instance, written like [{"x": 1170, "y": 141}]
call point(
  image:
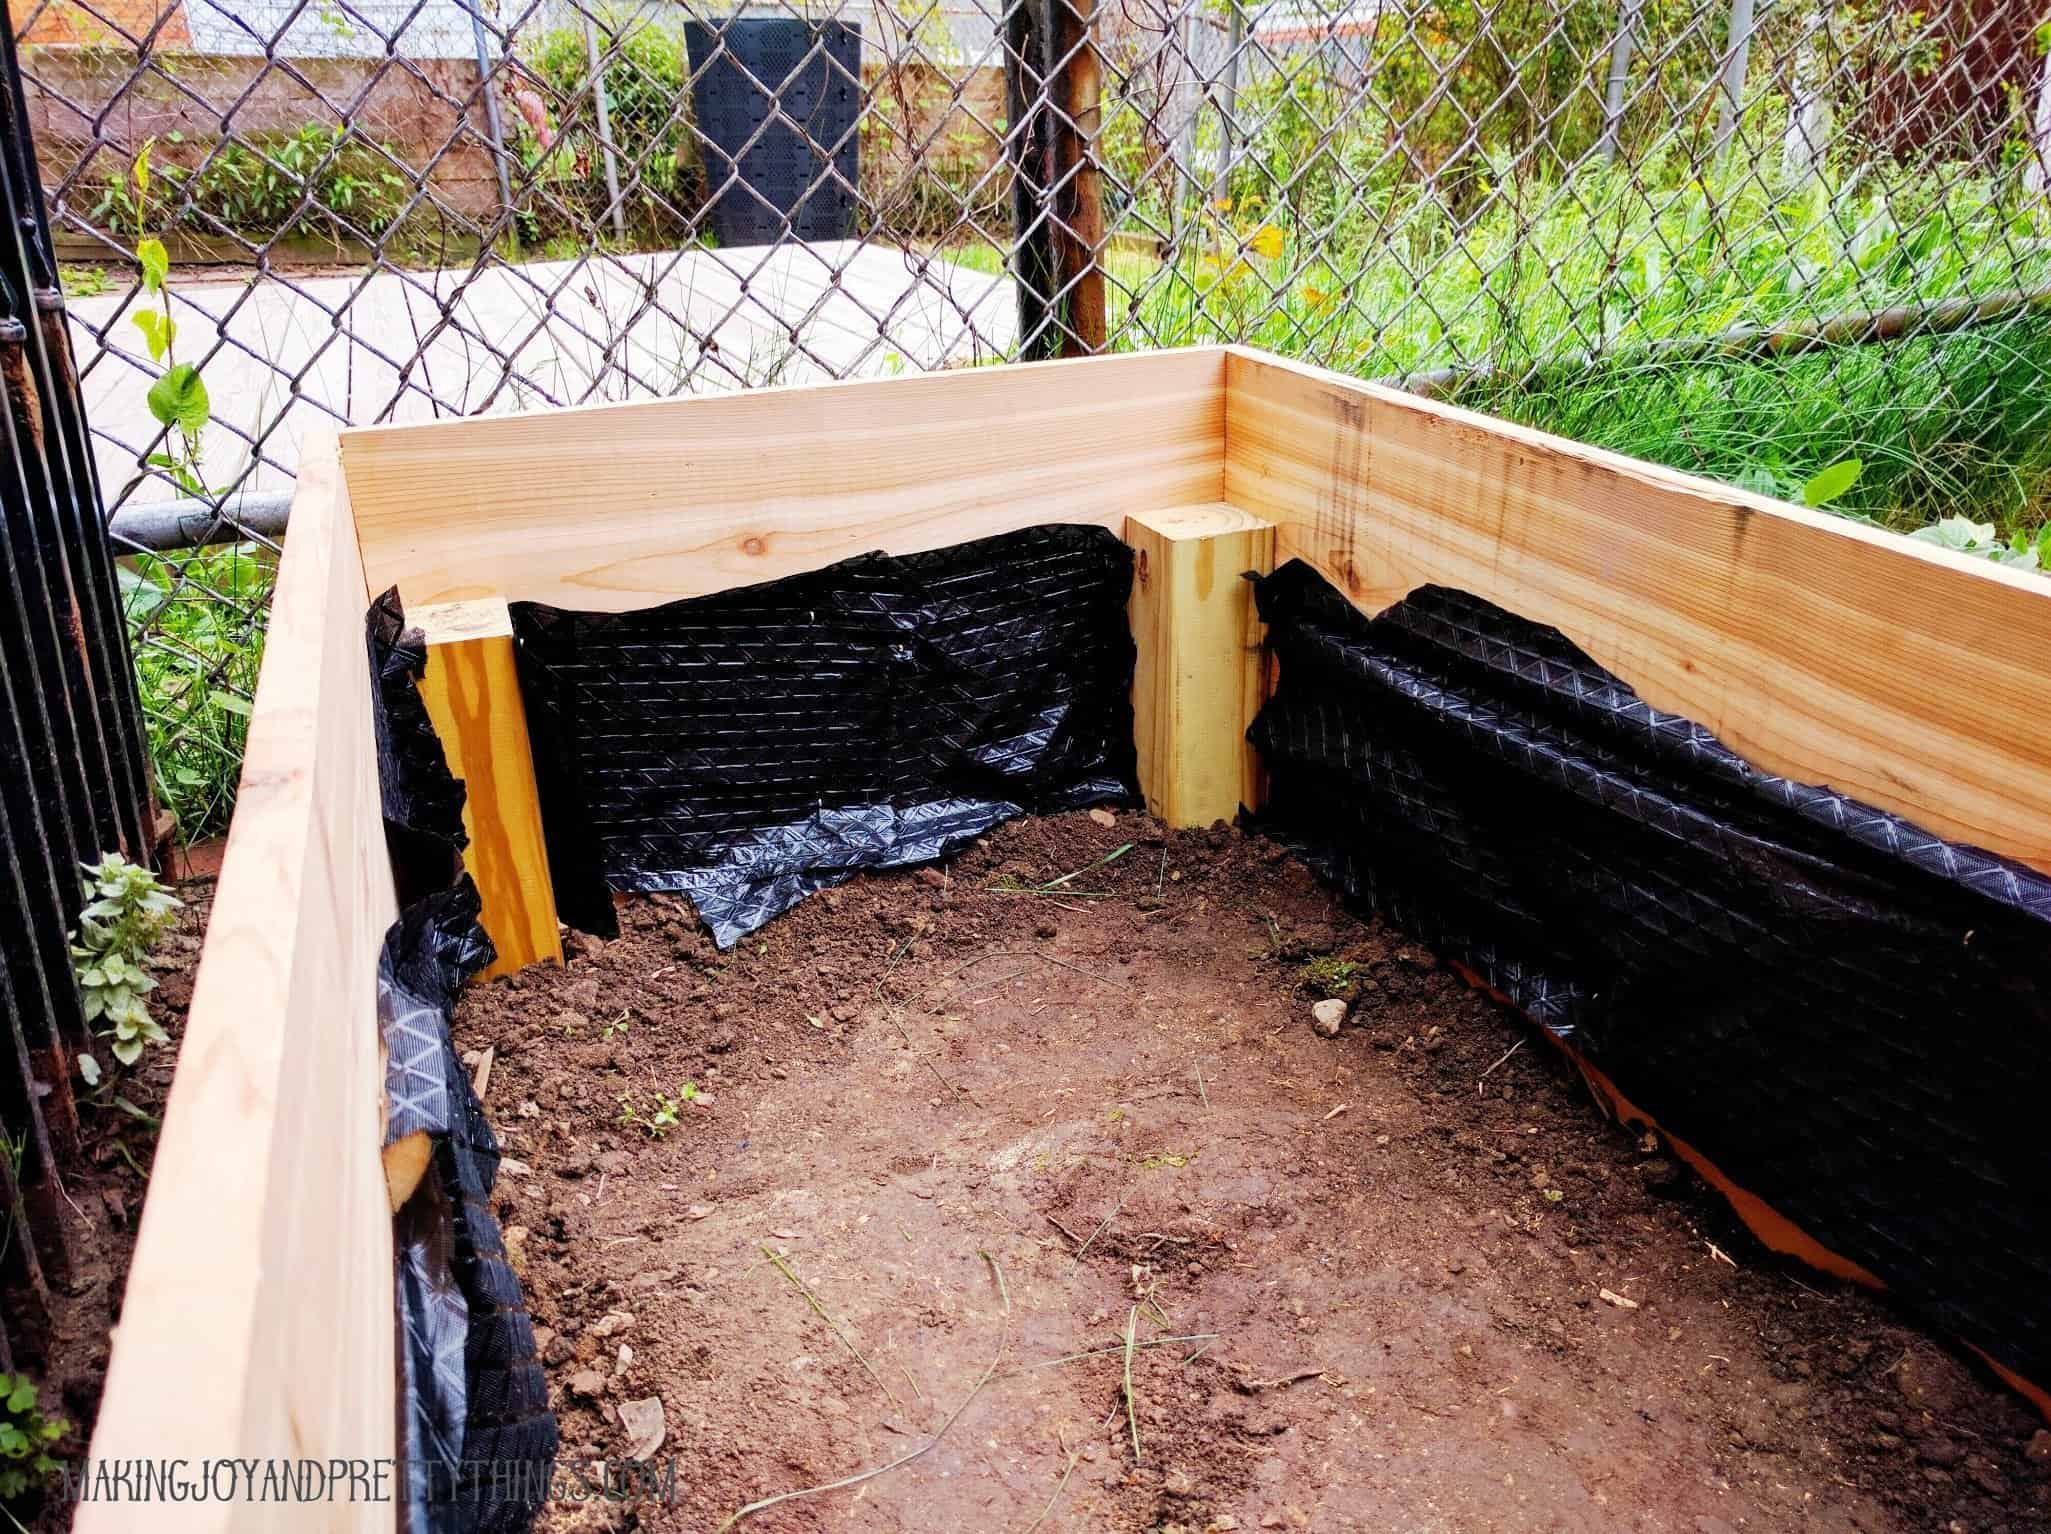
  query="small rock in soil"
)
[
  {"x": 645, "y": 1427},
  {"x": 1925, "y": 1381},
  {"x": 588, "y": 1383},
  {"x": 1939, "y": 1451},
  {"x": 1327, "y": 1015},
  {"x": 2038, "y": 1451},
  {"x": 1662, "y": 1177},
  {"x": 1103, "y": 817}
]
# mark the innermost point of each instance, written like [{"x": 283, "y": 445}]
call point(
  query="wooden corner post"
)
[
  {"x": 1200, "y": 676},
  {"x": 472, "y": 693}
]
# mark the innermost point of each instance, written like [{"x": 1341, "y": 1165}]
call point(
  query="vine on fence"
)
[{"x": 178, "y": 398}]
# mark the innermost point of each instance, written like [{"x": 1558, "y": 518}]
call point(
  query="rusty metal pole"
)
[
  {"x": 1080, "y": 183},
  {"x": 1035, "y": 260}
]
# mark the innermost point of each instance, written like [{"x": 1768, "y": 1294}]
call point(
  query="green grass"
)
[
  {"x": 1956, "y": 425},
  {"x": 1943, "y": 425},
  {"x": 196, "y": 625}
]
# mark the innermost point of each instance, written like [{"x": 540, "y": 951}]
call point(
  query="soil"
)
[
  {"x": 1418, "y": 1280},
  {"x": 66, "y": 1353}
]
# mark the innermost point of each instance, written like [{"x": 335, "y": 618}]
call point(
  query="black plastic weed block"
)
[
  {"x": 750, "y": 747},
  {"x": 776, "y": 101},
  {"x": 475, "y": 1429},
  {"x": 421, "y": 799},
  {"x": 1847, "y": 1014}
]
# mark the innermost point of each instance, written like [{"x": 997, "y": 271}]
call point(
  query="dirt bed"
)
[
  {"x": 105, "y": 1184},
  {"x": 1422, "y": 1283}
]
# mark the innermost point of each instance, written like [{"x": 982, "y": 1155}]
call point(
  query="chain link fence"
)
[{"x": 1801, "y": 245}]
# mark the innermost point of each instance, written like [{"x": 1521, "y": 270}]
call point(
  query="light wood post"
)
[
  {"x": 472, "y": 693},
  {"x": 1200, "y": 676}
]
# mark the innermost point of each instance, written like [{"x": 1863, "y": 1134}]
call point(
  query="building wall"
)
[{"x": 91, "y": 110}]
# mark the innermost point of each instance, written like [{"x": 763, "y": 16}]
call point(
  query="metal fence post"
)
[
  {"x": 2037, "y": 171},
  {"x": 1619, "y": 78},
  {"x": 1808, "y": 130},
  {"x": 492, "y": 123},
  {"x": 1034, "y": 267},
  {"x": 1221, "y": 188},
  {"x": 612, "y": 167},
  {"x": 1737, "y": 56}
]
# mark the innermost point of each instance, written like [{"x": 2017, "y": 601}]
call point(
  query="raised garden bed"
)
[
  {"x": 1400, "y": 1237},
  {"x": 1831, "y": 654}
]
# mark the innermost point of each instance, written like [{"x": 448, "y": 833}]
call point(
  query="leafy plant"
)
[
  {"x": 177, "y": 398},
  {"x": 317, "y": 182},
  {"x": 84, "y": 281},
  {"x": 26, "y": 1436},
  {"x": 661, "y": 1114},
  {"x": 1826, "y": 485},
  {"x": 647, "y": 94},
  {"x": 124, "y": 918},
  {"x": 196, "y": 625},
  {"x": 1329, "y": 975},
  {"x": 1966, "y": 536}
]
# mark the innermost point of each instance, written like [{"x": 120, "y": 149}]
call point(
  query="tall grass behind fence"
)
[{"x": 1795, "y": 245}]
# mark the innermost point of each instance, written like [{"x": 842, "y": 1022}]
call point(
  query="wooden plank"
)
[
  {"x": 1079, "y": 228},
  {"x": 472, "y": 692},
  {"x": 258, "y": 1318},
  {"x": 1200, "y": 673},
  {"x": 1895, "y": 672},
  {"x": 624, "y": 506}
]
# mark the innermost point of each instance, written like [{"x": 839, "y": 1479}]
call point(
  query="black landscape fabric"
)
[
  {"x": 1847, "y": 1014},
  {"x": 750, "y": 747},
  {"x": 422, "y": 801},
  {"x": 475, "y": 1424},
  {"x": 476, "y": 1431}
]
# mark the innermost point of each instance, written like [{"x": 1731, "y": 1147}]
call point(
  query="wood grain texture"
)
[
  {"x": 1894, "y": 672},
  {"x": 472, "y": 692},
  {"x": 615, "y": 507},
  {"x": 258, "y": 1318},
  {"x": 1199, "y": 676}
]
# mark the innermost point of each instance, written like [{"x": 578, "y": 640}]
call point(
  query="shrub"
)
[
  {"x": 317, "y": 183},
  {"x": 125, "y": 915},
  {"x": 647, "y": 94}
]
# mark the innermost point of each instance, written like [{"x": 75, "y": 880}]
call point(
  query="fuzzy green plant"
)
[
  {"x": 124, "y": 918},
  {"x": 26, "y": 1437}
]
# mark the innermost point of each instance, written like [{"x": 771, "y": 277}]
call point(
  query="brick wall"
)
[{"x": 91, "y": 109}]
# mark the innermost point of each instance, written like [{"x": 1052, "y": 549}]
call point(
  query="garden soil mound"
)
[{"x": 942, "y": 1129}]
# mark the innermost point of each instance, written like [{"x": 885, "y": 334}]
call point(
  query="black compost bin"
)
[{"x": 776, "y": 103}]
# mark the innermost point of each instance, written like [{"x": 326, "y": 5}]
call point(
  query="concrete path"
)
[{"x": 279, "y": 357}]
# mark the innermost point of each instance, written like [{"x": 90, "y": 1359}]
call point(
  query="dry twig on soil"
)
[
  {"x": 812, "y": 1299},
  {"x": 1067, "y": 1471},
  {"x": 1131, "y": 1411},
  {"x": 1003, "y": 1339}
]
